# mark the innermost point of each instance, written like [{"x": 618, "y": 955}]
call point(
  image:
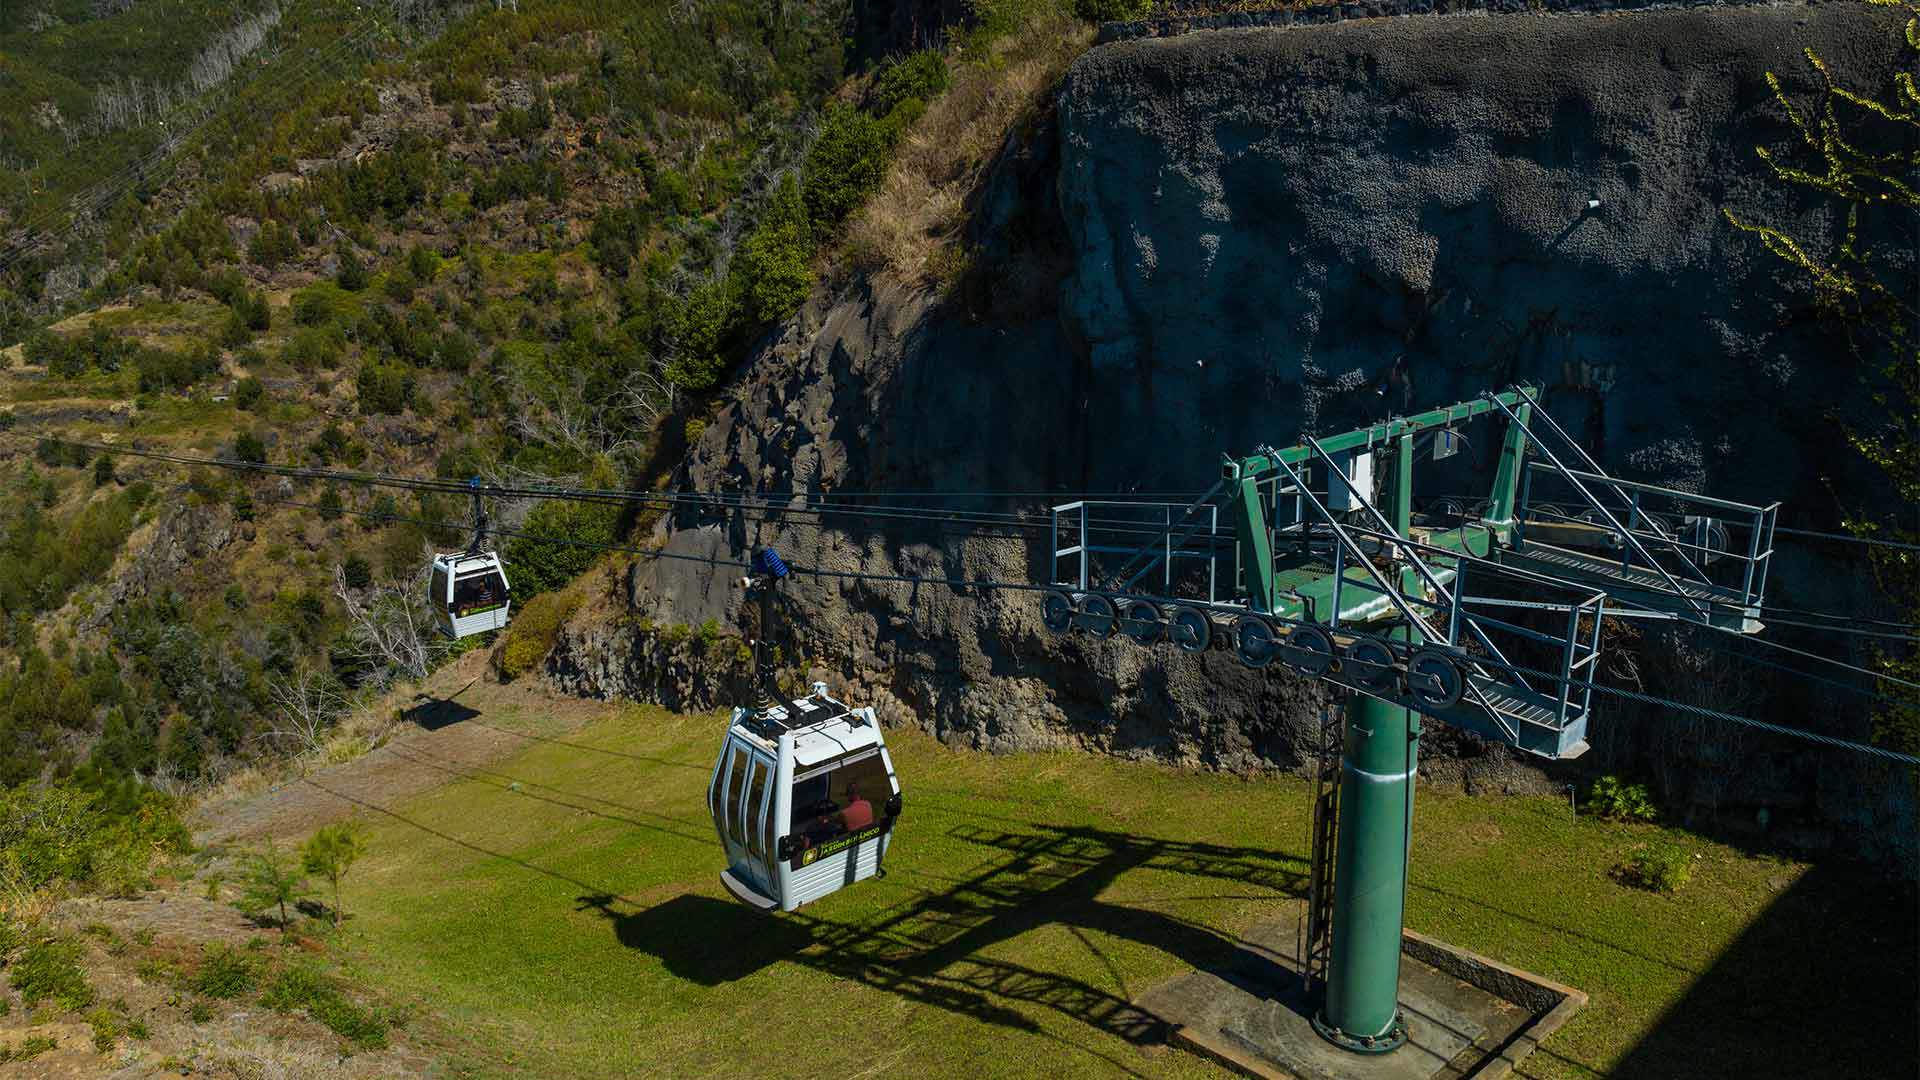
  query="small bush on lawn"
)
[
  {"x": 302, "y": 987},
  {"x": 1661, "y": 868},
  {"x": 48, "y": 969},
  {"x": 27, "y": 1050},
  {"x": 1615, "y": 800},
  {"x": 224, "y": 973}
]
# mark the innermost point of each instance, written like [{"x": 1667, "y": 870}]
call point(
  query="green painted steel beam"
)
[
  {"x": 1506, "y": 475},
  {"x": 1309, "y": 592},
  {"x": 1250, "y": 525},
  {"x": 1376, "y": 434}
]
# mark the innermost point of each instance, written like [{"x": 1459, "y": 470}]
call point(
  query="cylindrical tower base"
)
[{"x": 1362, "y": 1008}]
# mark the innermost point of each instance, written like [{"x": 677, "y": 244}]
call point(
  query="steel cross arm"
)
[
  {"x": 1392, "y": 594},
  {"x": 1593, "y": 467},
  {"x": 1386, "y": 534},
  {"x": 1625, "y": 534},
  {"x": 1267, "y": 458},
  {"x": 1155, "y": 545}
]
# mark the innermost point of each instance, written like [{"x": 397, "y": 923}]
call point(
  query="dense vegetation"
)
[{"x": 528, "y": 241}]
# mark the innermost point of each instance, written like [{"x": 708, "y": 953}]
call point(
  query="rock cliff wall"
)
[{"x": 1235, "y": 236}]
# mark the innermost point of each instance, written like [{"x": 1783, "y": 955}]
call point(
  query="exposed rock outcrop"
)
[{"x": 1252, "y": 229}]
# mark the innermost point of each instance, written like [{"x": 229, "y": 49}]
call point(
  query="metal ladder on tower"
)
[{"x": 1315, "y": 946}]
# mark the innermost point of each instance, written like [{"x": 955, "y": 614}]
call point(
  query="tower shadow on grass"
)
[{"x": 930, "y": 948}]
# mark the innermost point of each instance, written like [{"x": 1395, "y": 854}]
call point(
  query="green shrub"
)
[
  {"x": 313, "y": 347},
  {"x": 28, "y": 1049},
  {"x": 48, "y": 969},
  {"x": 249, "y": 446},
  {"x": 330, "y": 852},
  {"x": 399, "y": 285},
  {"x": 384, "y": 388},
  {"x": 356, "y": 572},
  {"x": 846, "y": 163},
  {"x": 695, "y": 427},
  {"x": 353, "y": 273},
  {"x": 330, "y": 505},
  {"x": 772, "y": 268},
  {"x": 422, "y": 264},
  {"x": 542, "y": 565},
  {"x": 313, "y": 306},
  {"x": 1616, "y": 800},
  {"x": 273, "y": 245},
  {"x": 106, "y": 1026},
  {"x": 1661, "y": 868},
  {"x": 62, "y": 833},
  {"x": 531, "y": 634},
  {"x": 248, "y": 393},
  {"x": 273, "y": 886},
  {"x": 698, "y": 327},
  {"x": 200, "y": 1011},
  {"x": 102, "y": 471},
  {"x": 918, "y": 77},
  {"x": 1101, "y": 11},
  {"x": 225, "y": 973},
  {"x": 303, "y": 987},
  {"x": 234, "y": 331}
]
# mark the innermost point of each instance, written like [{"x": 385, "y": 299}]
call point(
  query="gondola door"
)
[{"x": 742, "y": 802}]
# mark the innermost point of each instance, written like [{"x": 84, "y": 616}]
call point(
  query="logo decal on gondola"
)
[{"x": 839, "y": 844}]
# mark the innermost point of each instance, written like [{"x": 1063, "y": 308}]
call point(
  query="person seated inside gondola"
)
[{"x": 859, "y": 812}]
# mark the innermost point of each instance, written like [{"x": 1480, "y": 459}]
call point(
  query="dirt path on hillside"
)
[{"x": 461, "y": 721}]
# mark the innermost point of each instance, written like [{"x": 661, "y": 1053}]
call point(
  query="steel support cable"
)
[
  {"x": 455, "y": 488},
  {"x": 122, "y": 180},
  {"x": 961, "y": 584},
  {"x": 1796, "y": 672},
  {"x": 1845, "y": 539},
  {"x": 696, "y": 500}
]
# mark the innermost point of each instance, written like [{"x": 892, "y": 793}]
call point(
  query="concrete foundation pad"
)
[{"x": 1466, "y": 1016}]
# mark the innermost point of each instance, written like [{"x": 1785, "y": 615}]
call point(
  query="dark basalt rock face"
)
[{"x": 1231, "y": 237}]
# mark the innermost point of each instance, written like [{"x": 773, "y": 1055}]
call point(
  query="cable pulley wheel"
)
[
  {"x": 1254, "y": 641},
  {"x": 1435, "y": 679},
  {"x": 1191, "y": 629},
  {"x": 1096, "y": 616},
  {"x": 1141, "y": 621},
  {"x": 1309, "y": 651},
  {"x": 1057, "y": 612},
  {"x": 1370, "y": 663}
]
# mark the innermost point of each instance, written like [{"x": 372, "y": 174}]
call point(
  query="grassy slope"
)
[{"x": 576, "y": 927}]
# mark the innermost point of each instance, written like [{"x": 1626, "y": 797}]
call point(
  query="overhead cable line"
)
[
  {"x": 960, "y": 585},
  {"x": 744, "y": 501}
]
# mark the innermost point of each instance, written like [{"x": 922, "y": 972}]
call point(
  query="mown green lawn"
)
[{"x": 576, "y": 927}]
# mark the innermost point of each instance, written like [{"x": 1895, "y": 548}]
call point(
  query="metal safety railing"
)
[
  {"x": 1115, "y": 545},
  {"x": 1653, "y": 543}
]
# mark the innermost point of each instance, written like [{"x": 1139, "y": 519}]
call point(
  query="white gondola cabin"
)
[
  {"x": 804, "y": 799},
  {"x": 468, "y": 593}
]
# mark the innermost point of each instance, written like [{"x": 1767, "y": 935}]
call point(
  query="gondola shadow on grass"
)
[
  {"x": 431, "y": 713},
  {"x": 931, "y": 948}
]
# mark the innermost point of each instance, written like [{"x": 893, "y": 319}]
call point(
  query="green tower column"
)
[{"x": 1362, "y": 1010}]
